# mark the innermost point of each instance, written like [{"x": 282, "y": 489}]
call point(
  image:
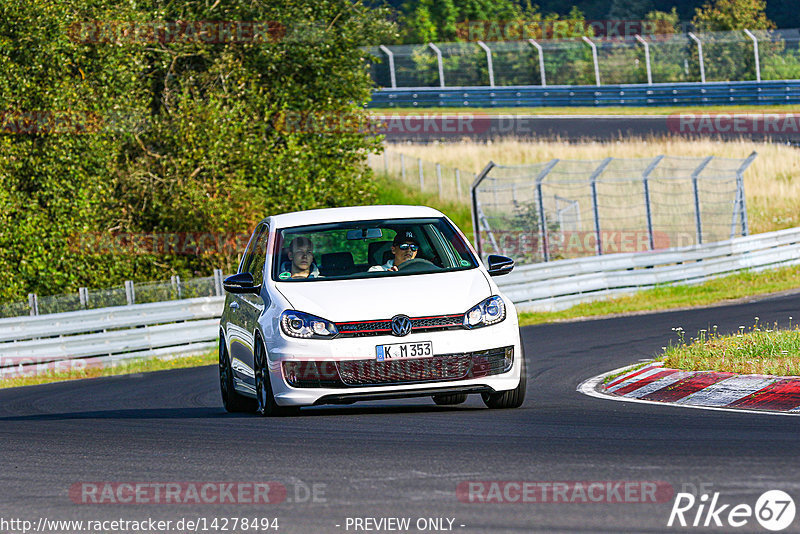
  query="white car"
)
[{"x": 334, "y": 306}]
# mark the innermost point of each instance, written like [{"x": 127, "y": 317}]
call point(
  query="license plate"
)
[{"x": 404, "y": 351}]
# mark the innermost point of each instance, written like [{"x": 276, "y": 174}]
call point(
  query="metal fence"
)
[
  {"x": 448, "y": 183},
  {"x": 685, "y": 57},
  {"x": 127, "y": 295},
  {"x": 570, "y": 208}
]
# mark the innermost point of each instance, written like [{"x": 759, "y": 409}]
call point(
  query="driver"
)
[
  {"x": 404, "y": 247},
  {"x": 301, "y": 260}
]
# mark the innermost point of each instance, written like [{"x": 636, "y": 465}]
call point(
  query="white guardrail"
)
[
  {"x": 108, "y": 335},
  {"x": 173, "y": 327},
  {"x": 560, "y": 284}
]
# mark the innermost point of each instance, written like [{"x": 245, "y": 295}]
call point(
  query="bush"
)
[{"x": 180, "y": 136}]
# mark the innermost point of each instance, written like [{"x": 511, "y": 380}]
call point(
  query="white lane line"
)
[
  {"x": 589, "y": 387},
  {"x": 727, "y": 391},
  {"x": 634, "y": 379},
  {"x": 661, "y": 383}
]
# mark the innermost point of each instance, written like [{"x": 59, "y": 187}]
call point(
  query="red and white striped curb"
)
[{"x": 653, "y": 382}]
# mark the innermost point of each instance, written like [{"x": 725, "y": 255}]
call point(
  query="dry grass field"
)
[{"x": 772, "y": 183}]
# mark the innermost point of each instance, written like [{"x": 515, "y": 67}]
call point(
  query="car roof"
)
[{"x": 356, "y": 213}]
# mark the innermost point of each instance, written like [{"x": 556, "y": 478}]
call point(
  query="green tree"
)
[
  {"x": 190, "y": 135},
  {"x": 728, "y": 15}
]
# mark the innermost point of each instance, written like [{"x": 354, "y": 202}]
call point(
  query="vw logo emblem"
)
[{"x": 401, "y": 325}]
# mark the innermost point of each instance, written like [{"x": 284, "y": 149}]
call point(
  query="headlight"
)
[
  {"x": 490, "y": 311},
  {"x": 304, "y": 325}
]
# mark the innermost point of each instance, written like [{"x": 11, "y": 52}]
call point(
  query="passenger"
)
[
  {"x": 301, "y": 260},
  {"x": 404, "y": 248}
]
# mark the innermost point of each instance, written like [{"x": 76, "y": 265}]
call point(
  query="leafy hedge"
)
[{"x": 106, "y": 132}]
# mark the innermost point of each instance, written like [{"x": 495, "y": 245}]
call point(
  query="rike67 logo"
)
[{"x": 774, "y": 510}]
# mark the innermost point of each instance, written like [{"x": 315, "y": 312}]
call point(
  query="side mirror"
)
[
  {"x": 499, "y": 265},
  {"x": 240, "y": 283}
]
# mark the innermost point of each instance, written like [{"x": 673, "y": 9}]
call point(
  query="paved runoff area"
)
[{"x": 708, "y": 388}]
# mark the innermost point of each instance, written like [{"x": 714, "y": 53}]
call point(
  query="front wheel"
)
[
  {"x": 231, "y": 399},
  {"x": 265, "y": 399},
  {"x": 512, "y": 398}
]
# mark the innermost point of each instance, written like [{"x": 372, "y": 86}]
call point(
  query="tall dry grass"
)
[{"x": 772, "y": 183}]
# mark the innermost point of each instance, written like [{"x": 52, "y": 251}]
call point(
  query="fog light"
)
[{"x": 508, "y": 360}]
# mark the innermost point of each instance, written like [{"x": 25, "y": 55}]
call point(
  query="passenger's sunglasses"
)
[{"x": 406, "y": 246}]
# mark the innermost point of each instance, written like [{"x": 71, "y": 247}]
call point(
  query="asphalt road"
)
[{"x": 404, "y": 458}]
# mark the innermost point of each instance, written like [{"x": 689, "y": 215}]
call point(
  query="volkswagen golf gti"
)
[{"x": 339, "y": 305}]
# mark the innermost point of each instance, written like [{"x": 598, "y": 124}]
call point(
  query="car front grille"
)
[
  {"x": 362, "y": 373},
  {"x": 383, "y": 327}
]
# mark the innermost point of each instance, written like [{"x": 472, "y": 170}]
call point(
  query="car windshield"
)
[{"x": 367, "y": 249}]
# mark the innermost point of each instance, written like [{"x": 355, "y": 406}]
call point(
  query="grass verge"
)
[
  {"x": 610, "y": 110},
  {"x": 33, "y": 376},
  {"x": 736, "y": 286},
  {"x": 759, "y": 349}
]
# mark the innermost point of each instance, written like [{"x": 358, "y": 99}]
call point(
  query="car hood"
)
[{"x": 384, "y": 297}]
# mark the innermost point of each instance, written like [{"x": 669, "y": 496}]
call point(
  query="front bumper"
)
[{"x": 339, "y": 371}]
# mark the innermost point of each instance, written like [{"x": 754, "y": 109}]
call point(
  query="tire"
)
[
  {"x": 512, "y": 398},
  {"x": 265, "y": 399},
  {"x": 450, "y": 399},
  {"x": 231, "y": 399}
]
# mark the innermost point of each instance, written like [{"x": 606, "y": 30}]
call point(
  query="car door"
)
[{"x": 244, "y": 310}]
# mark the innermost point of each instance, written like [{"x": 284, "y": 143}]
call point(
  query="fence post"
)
[
  {"x": 458, "y": 184},
  {"x": 740, "y": 187},
  {"x": 476, "y": 229},
  {"x": 541, "y": 60},
  {"x": 649, "y": 210},
  {"x": 403, "y": 167},
  {"x": 33, "y": 303},
  {"x": 697, "y": 220},
  {"x": 543, "y": 237},
  {"x": 218, "y": 288},
  {"x": 755, "y": 53},
  {"x": 421, "y": 175},
  {"x": 594, "y": 59},
  {"x": 593, "y": 178},
  {"x": 176, "y": 285},
  {"x": 439, "y": 61},
  {"x": 385, "y": 163},
  {"x": 130, "y": 293},
  {"x": 694, "y": 38},
  {"x": 488, "y": 62},
  {"x": 439, "y": 178},
  {"x": 390, "y": 55},
  {"x": 83, "y": 296},
  {"x": 646, "y": 58}
]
